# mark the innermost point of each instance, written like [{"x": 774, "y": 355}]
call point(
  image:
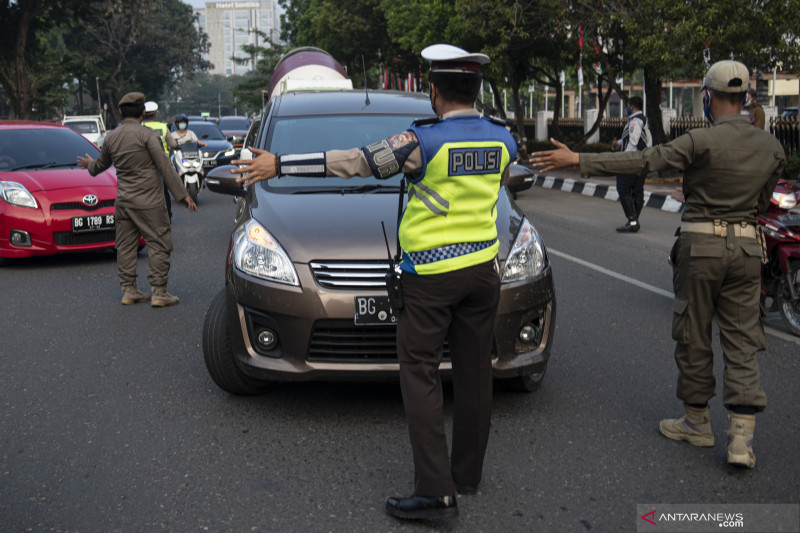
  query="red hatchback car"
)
[{"x": 48, "y": 204}]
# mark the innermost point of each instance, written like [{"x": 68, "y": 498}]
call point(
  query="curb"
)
[{"x": 651, "y": 199}]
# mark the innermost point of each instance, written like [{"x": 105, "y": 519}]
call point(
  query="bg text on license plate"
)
[
  {"x": 92, "y": 223},
  {"x": 373, "y": 310}
]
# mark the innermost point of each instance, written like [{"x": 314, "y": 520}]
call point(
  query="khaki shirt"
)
[
  {"x": 729, "y": 170},
  {"x": 138, "y": 155}
]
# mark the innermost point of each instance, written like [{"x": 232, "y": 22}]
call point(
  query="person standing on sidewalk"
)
[
  {"x": 140, "y": 210},
  {"x": 450, "y": 280},
  {"x": 630, "y": 187},
  {"x": 730, "y": 171}
]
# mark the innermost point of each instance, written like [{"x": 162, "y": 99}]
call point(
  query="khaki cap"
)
[
  {"x": 132, "y": 98},
  {"x": 727, "y": 77}
]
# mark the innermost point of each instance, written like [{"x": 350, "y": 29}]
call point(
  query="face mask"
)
[
  {"x": 182, "y": 126},
  {"x": 628, "y": 111},
  {"x": 707, "y": 105}
]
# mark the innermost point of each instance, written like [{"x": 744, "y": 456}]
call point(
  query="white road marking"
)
[{"x": 646, "y": 286}]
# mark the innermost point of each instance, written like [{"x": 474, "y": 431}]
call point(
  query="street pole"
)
[{"x": 97, "y": 84}]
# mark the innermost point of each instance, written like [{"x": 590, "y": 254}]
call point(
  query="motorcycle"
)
[
  {"x": 780, "y": 277},
  {"x": 189, "y": 164}
]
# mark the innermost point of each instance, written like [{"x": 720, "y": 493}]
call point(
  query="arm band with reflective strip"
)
[{"x": 310, "y": 165}]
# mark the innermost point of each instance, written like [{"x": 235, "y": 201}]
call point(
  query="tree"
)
[
  {"x": 32, "y": 54},
  {"x": 144, "y": 46}
]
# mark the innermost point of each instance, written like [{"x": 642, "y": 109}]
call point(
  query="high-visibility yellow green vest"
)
[
  {"x": 162, "y": 130},
  {"x": 449, "y": 220}
]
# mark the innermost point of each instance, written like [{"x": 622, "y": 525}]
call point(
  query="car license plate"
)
[
  {"x": 92, "y": 223},
  {"x": 790, "y": 220},
  {"x": 373, "y": 310},
  {"x": 208, "y": 163}
]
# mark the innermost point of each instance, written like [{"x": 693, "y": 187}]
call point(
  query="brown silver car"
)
[{"x": 304, "y": 295}]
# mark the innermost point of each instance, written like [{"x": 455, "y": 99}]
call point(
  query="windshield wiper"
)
[{"x": 51, "y": 164}]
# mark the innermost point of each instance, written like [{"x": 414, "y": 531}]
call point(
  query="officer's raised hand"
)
[
  {"x": 262, "y": 167},
  {"x": 561, "y": 157}
]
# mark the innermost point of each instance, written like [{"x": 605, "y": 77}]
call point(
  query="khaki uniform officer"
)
[
  {"x": 450, "y": 283},
  {"x": 730, "y": 171},
  {"x": 140, "y": 161}
]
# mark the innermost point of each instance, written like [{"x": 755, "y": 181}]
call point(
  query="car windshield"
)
[
  {"x": 207, "y": 131},
  {"x": 41, "y": 148},
  {"x": 234, "y": 123},
  {"x": 333, "y": 132},
  {"x": 84, "y": 126}
]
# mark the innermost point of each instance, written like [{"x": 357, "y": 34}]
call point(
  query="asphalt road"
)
[{"x": 111, "y": 423}]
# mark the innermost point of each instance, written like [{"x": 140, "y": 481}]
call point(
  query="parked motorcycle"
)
[
  {"x": 189, "y": 164},
  {"x": 780, "y": 277}
]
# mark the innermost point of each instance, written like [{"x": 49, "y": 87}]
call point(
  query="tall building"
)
[{"x": 229, "y": 25}]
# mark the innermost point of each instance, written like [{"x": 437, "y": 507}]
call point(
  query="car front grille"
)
[
  {"x": 77, "y": 205},
  {"x": 350, "y": 274},
  {"x": 342, "y": 341},
  {"x": 67, "y": 238}
]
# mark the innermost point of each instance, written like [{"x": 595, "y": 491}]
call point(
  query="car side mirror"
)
[
  {"x": 230, "y": 138},
  {"x": 222, "y": 181},
  {"x": 520, "y": 178}
]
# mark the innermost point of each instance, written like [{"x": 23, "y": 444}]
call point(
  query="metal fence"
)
[{"x": 787, "y": 131}]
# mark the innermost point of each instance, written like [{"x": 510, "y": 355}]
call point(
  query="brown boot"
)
[
  {"x": 161, "y": 298},
  {"x": 694, "y": 427},
  {"x": 132, "y": 295},
  {"x": 740, "y": 440}
]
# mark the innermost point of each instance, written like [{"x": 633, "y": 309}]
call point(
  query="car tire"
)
[
  {"x": 528, "y": 383},
  {"x": 218, "y": 356}
]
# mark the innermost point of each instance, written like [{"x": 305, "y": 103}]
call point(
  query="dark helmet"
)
[{"x": 181, "y": 118}]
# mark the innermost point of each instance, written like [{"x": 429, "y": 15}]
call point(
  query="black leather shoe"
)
[
  {"x": 466, "y": 489},
  {"x": 631, "y": 226},
  {"x": 421, "y": 507}
]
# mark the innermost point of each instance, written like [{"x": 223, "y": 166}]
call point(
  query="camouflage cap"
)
[
  {"x": 132, "y": 98},
  {"x": 727, "y": 77}
]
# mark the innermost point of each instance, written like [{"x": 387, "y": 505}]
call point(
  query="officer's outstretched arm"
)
[
  {"x": 262, "y": 167},
  {"x": 561, "y": 157}
]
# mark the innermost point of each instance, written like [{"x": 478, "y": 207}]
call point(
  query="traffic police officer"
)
[
  {"x": 140, "y": 211},
  {"x": 450, "y": 282},
  {"x": 630, "y": 187},
  {"x": 152, "y": 122},
  {"x": 730, "y": 171}
]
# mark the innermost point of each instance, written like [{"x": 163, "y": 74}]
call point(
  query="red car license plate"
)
[
  {"x": 373, "y": 310},
  {"x": 92, "y": 223}
]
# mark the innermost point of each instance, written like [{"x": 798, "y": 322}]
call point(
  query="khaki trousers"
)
[
  {"x": 718, "y": 276},
  {"x": 152, "y": 224},
  {"x": 459, "y": 306}
]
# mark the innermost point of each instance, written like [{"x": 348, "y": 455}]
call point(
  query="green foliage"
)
[{"x": 792, "y": 169}]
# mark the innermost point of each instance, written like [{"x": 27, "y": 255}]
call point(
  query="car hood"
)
[
  {"x": 60, "y": 178},
  {"x": 315, "y": 227}
]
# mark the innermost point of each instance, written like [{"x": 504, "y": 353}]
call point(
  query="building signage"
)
[{"x": 237, "y": 5}]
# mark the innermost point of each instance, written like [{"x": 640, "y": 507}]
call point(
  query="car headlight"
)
[
  {"x": 785, "y": 200},
  {"x": 16, "y": 194},
  {"x": 257, "y": 253},
  {"x": 206, "y": 154},
  {"x": 527, "y": 257},
  {"x": 230, "y": 152}
]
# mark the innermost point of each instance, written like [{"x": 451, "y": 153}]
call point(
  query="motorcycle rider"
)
[{"x": 183, "y": 134}]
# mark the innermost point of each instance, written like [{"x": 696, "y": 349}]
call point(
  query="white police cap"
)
[
  {"x": 727, "y": 77},
  {"x": 449, "y": 58},
  {"x": 150, "y": 107}
]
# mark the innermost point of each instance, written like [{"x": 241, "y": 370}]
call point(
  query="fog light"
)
[
  {"x": 20, "y": 238},
  {"x": 266, "y": 339},
  {"x": 530, "y": 333}
]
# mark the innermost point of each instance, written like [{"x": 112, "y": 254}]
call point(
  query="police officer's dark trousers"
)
[
  {"x": 630, "y": 189},
  {"x": 459, "y": 306},
  {"x": 152, "y": 224},
  {"x": 718, "y": 276}
]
